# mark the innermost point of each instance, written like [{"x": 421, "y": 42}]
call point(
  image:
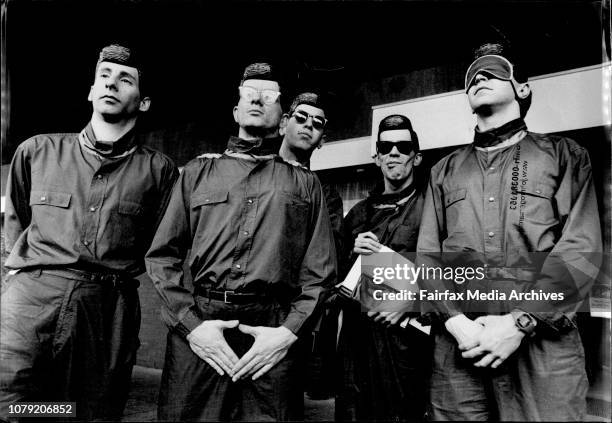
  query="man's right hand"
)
[
  {"x": 465, "y": 331},
  {"x": 366, "y": 243},
  {"x": 208, "y": 343}
]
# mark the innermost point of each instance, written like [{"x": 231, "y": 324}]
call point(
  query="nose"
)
[
  {"x": 256, "y": 98},
  {"x": 394, "y": 151},
  {"x": 111, "y": 82},
  {"x": 308, "y": 123},
  {"x": 480, "y": 78}
]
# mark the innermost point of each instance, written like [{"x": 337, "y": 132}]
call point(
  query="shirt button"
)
[
  {"x": 491, "y": 168},
  {"x": 43, "y": 198},
  {"x": 92, "y": 209},
  {"x": 491, "y": 199},
  {"x": 86, "y": 243},
  {"x": 491, "y": 234},
  {"x": 250, "y": 201},
  {"x": 538, "y": 191},
  {"x": 246, "y": 232},
  {"x": 237, "y": 266},
  {"x": 99, "y": 177}
]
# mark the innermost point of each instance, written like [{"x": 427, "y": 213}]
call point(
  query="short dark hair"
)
[
  {"x": 395, "y": 122},
  {"x": 520, "y": 71}
]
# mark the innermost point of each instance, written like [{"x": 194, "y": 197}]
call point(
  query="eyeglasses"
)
[
  {"x": 318, "y": 122},
  {"x": 497, "y": 66},
  {"x": 385, "y": 147},
  {"x": 251, "y": 94}
]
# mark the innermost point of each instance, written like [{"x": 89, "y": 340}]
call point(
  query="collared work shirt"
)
[
  {"x": 530, "y": 194},
  {"x": 253, "y": 226},
  {"x": 68, "y": 207}
]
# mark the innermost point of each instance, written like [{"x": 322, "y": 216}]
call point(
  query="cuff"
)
[{"x": 188, "y": 323}]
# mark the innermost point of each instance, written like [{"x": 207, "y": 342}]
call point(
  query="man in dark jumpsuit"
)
[
  {"x": 383, "y": 365},
  {"x": 81, "y": 210},
  {"x": 262, "y": 254},
  {"x": 303, "y": 130},
  {"x": 497, "y": 201}
]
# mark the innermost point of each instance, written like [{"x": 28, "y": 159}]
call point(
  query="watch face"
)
[{"x": 523, "y": 321}]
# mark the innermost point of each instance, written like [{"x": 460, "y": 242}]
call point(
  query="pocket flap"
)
[
  {"x": 209, "y": 197},
  {"x": 540, "y": 189},
  {"x": 50, "y": 198},
  {"x": 453, "y": 196},
  {"x": 130, "y": 207}
]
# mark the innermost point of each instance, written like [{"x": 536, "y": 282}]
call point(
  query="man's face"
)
[
  {"x": 397, "y": 167},
  {"x": 308, "y": 135},
  {"x": 255, "y": 113},
  {"x": 488, "y": 91},
  {"x": 115, "y": 91}
]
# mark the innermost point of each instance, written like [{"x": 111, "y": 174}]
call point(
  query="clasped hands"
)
[
  {"x": 489, "y": 340},
  {"x": 270, "y": 347}
]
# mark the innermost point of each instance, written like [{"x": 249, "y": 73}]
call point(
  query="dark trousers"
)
[
  {"x": 383, "y": 371},
  {"x": 544, "y": 380},
  {"x": 192, "y": 391},
  {"x": 71, "y": 340}
]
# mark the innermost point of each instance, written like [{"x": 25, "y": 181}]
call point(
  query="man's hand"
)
[
  {"x": 270, "y": 347},
  {"x": 386, "y": 317},
  {"x": 499, "y": 338},
  {"x": 208, "y": 343},
  {"x": 464, "y": 330},
  {"x": 366, "y": 243}
]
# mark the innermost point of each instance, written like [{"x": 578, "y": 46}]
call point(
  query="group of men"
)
[{"x": 265, "y": 243}]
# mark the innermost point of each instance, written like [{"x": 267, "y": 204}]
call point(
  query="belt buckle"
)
[{"x": 225, "y": 300}]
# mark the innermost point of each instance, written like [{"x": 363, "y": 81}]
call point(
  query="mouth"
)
[
  {"x": 305, "y": 135},
  {"x": 255, "y": 112},
  {"x": 110, "y": 97},
  {"x": 480, "y": 89},
  {"x": 393, "y": 164}
]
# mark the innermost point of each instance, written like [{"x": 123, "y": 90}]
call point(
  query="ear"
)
[
  {"x": 89, "y": 95},
  {"x": 418, "y": 158},
  {"x": 235, "y": 113},
  {"x": 377, "y": 160},
  {"x": 523, "y": 90},
  {"x": 282, "y": 128},
  {"x": 145, "y": 103}
]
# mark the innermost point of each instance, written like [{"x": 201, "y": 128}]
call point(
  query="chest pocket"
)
[
  {"x": 537, "y": 204},
  {"x": 50, "y": 198},
  {"x": 208, "y": 198}
]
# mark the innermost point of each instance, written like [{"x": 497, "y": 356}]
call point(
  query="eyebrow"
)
[
  {"x": 305, "y": 112},
  {"x": 121, "y": 74}
]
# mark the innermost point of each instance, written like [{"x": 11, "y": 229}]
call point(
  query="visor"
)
[{"x": 495, "y": 65}]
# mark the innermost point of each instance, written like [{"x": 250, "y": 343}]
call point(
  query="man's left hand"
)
[
  {"x": 497, "y": 341},
  {"x": 270, "y": 347}
]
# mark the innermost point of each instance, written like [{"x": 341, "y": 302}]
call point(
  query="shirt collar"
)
[
  {"x": 498, "y": 135},
  {"x": 109, "y": 149},
  {"x": 255, "y": 147},
  {"x": 379, "y": 200}
]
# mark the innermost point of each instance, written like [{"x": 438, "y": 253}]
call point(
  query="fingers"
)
[
  {"x": 245, "y": 364},
  {"x": 497, "y": 363},
  {"x": 214, "y": 362},
  {"x": 263, "y": 371},
  {"x": 228, "y": 324},
  {"x": 486, "y": 360},
  {"x": 368, "y": 235},
  {"x": 229, "y": 353},
  {"x": 249, "y": 330},
  {"x": 394, "y": 317},
  {"x": 482, "y": 320}
]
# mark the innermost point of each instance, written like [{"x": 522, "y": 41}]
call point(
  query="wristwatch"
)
[{"x": 525, "y": 322}]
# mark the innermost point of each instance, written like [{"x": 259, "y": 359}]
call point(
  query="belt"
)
[
  {"x": 115, "y": 279},
  {"x": 230, "y": 297}
]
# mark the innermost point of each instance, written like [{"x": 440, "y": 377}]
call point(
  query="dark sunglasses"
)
[
  {"x": 385, "y": 147},
  {"x": 318, "y": 122}
]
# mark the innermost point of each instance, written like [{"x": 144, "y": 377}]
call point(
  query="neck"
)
[
  {"x": 302, "y": 157},
  {"x": 107, "y": 131},
  {"x": 490, "y": 117},
  {"x": 253, "y": 133},
  {"x": 393, "y": 187}
]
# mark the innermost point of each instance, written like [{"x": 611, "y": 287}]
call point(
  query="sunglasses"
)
[
  {"x": 251, "y": 94},
  {"x": 497, "y": 66},
  {"x": 385, "y": 147},
  {"x": 301, "y": 117}
]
